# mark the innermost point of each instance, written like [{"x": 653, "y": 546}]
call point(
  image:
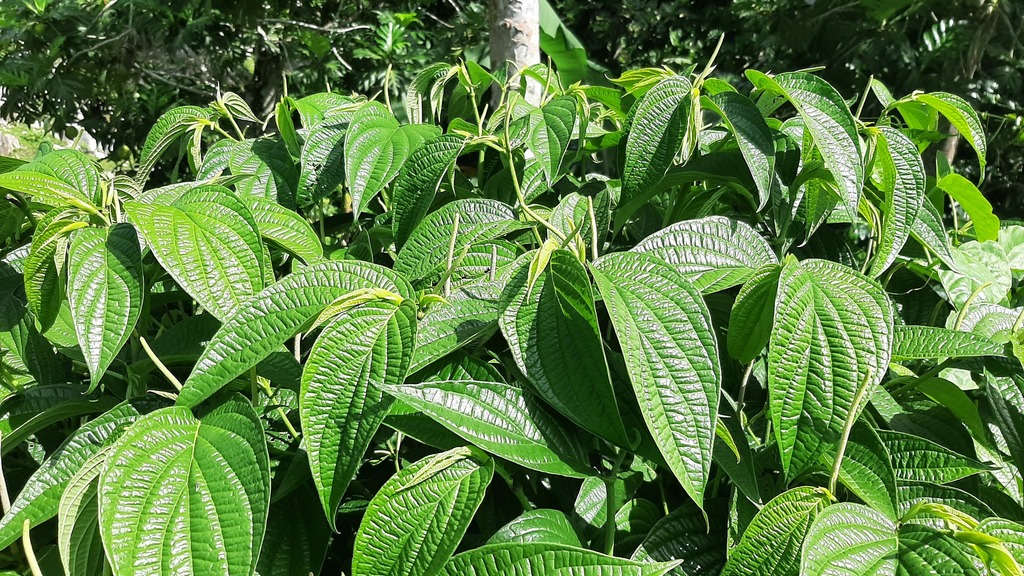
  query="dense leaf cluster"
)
[{"x": 678, "y": 326}]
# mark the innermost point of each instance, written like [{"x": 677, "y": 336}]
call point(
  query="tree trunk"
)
[{"x": 515, "y": 38}]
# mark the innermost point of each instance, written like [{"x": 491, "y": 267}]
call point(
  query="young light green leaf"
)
[
  {"x": 771, "y": 544},
  {"x": 671, "y": 354},
  {"x": 78, "y": 528},
  {"x": 187, "y": 494},
  {"x": 986, "y": 224},
  {"x": 963, "y": 118},
  {"x": 414, "y": 523},
  {"x": 657, "y": 129},
  {"x": 830, "y": 124},
  {"x": 284, "y": 227},
  {"x": 921, "y": 460},
  {"x": 419, "y": 179},
  {"x": 833, "y": 334},
  {"x": 105, "y": 292},
  {"x": 553, "y": 334},
  {"x": 538, "y": 527},
  {"x": 209, "y": 243},
  {"x": 932, "y": 342},
  {"x": 376, "y": 147},
  {"x": 752, "y": 134},
  {"x": 39, "y": 499},
  {"x": 425, "y": 253},
  {"x": 714, "y": 253},
  {"x": 500, "y": 419},
  {"x": 850, "y": 539},
  {"x": 342, "y": 401},
  {"x": 753, "y": 312},
  {"x": 547, "y": 559},
  {"x": 902, "y": 179},
  {"x": 276, "y": 314}
]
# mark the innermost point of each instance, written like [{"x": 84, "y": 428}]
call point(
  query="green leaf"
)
[
  {"x": 376, "y": 147},
  {"x": 963, "y": 118},
  {"x": 981, "y": 268},
  {"x": 342, "y": 402},
  {"x": 771, "y": 544},
  {"x": 1011, "y": 533},
  {"x": 929, "y": 231},
  {"x": 714, "y": 253},
  {"x": 78, "y": 528},
  {"x": 39, "y": 499},
  {"x": 924, "y": 551},
  {"x": 919, "y": 459},
  {"x": 321, "y": 162},
  {"x": 683, "y": 535},
  {"x": 538, "y": 527},
  {"x": 850, "y": 539},
  {"x": 829, "y": 123},
  {"x": 912, "y": 494},
  {"x": 429, "y": 84},
  {"x": 931, "y": 342},
  {"x": 61, "y": 178},
  {"x": 551, "y": 129},
  {"x": 284, "y": 227},
  {"x": 276, "y": 314},
  {"x": 986, "y": 224},
  {"x": 425, "y": 253},
  {"x": 105, "y": 292},
  {"x": 325, "y": 107},
  {"x": 419, "y": 180},
  {"x": 501, "y": 419},
  {"x": 658, "y": 127},
  {"x": 271, "y": 170},
  {"x": 188, "y": 493},
  {"x": 671, "y": 354},
  {"x": 469, "y": 315},
  {"x": 752, "y": 134},
  {"x": 902, "y": 179},
  {"x": 208, "y": 242},
  {"x": 548, "y": 559},
  {"x": 171, "y": 125},
  {"x": 44, "y": 286},
  {"x": 867, "y": 470},
  {"x": 554, "y": 338},
  {"x": 297, "y": 536},
  {"x": 414, "y": 523},
  {"x": 753, "y": 314},
  {"x": 833, "y": 334}
]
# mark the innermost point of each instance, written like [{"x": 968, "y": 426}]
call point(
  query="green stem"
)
[
  {"x": 450, "y": 259},
  {"x": 593, "y": 228},
  {"x": 967, "y": 305},
  {"x": 609, "y": 498},
  {"x": 160, "y": 365},
  {"x": 850, "y": 419},
  {"x": 523, "y": 500}
]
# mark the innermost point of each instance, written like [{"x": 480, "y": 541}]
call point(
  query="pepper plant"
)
[{"x": 674, "y": 326}]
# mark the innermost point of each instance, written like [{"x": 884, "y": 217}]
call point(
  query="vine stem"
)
[
  {"x": 30, "y": 554},
  {"x": 160, "y": 365},
  {"x": 850, "y": 419}
]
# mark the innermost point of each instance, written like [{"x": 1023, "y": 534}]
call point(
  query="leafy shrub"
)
[{"x": 669, "y": 328}]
